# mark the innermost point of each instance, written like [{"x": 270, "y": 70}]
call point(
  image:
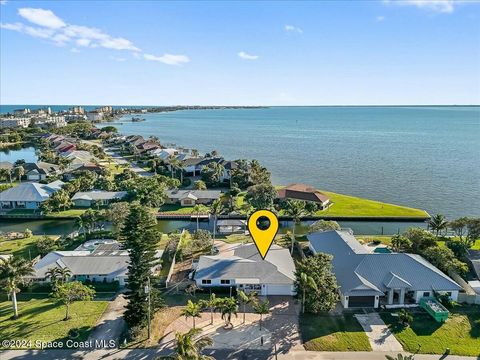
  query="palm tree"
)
[
  {"x": 192, "y": 310},
  {"x": 400, "y": 357},
  {"x": 227, "y": 307},
  {"x": 174, "y": 162},
  {"x": 246, "y": 300},
  {"x": 438, "y": 223},
  {"x": 262, "y": 308},
  {"x": 12, "y": 273},
  {"x": 211, "y": 303},
  {"x": 188, "y": 346},
  {"x": 296, "y": 210},
  {"x": 79, "y": 224},
  {"x": 53, "y": 275},
  {"x": 215, "y": 209},
  {"x": 306, "y": 282},
  {"x": 194, "y": 153},
  {"x": 181, "y": 168},
  {"x": 19, "y": 171},
  {"x": 197, "y": 209},
  {"x": 64, "y": 274}
]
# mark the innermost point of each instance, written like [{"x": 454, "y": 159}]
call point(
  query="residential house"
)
[
  {"x": 192, "y": 197},
  {"x": 94, "y": 116},
  {"x": 228, "y": 166},
  {"x": 369, "y": 279},
  {"x": 99, "y": 197},
  {"x": 40, "y": 170},
  {"x": 244, "y": 269},
  {"x": 474, "y": 258},
  {"x": 304, "y": 193},
  {"x": 28, "y": 195},
  {"x": 193, "y": 166},
  {"x": 97, "y": 261}
]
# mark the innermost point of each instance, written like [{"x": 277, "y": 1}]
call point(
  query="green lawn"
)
[
  {"x": 42, "y": 319},
  {"x": 460, "y": 333},
  {"x": 21, "y": 247},
  {"x": 345, "y": 205},
  {"x": 73, "y": 213},
  {"x": 176, "y": 209},
  {"x": 333, "y": 333}
]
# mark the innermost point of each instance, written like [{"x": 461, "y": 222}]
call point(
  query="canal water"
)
[
  {"x": 15, "y": 153},
  {"x": 56, "y": 226}
]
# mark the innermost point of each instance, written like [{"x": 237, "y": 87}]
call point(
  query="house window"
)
[
  {"x": 426, "y": 294},
  {"x": 225, "y": 282},
  {"x": 206, "y": 282}
]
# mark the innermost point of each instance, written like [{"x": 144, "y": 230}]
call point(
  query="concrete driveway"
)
[
  {"x": 111, "y": 324},
  {"x": 378, "y": 333}
]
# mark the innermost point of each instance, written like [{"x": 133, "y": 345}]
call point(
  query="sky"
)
[{"x": 381, "y": 52}]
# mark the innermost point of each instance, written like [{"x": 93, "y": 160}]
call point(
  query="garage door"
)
[
  {"x": 361, "y": 301},
  {"x": 277, "y": 290}
]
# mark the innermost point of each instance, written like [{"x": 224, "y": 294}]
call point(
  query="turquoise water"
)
[{"x": 425, "y": 157}]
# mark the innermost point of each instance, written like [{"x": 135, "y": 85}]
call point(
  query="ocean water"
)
[{"x": 425, "y": 157}]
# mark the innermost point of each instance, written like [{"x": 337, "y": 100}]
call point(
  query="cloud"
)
[
  {"x": 51, "y": 27},
  {"x": 41, "y": 17},
  {"x": 168, "y": 59},
  {"x": 247, "y": 56},
  {"x": 438, "y": 6},
  {"x": 119, "y": 59},
  {"x": 380, "y": 18},
  {"x": 292, "y": 28}
]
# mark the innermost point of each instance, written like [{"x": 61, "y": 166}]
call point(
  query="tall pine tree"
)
[{"x": 140, "y": 238}]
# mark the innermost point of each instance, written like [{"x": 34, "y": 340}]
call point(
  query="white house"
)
[
  {"x": 192, "y": 197},
  {"x": 28, "y": 195},
  {"x": 367, "y": 280},
  {"x": 246, "y": 270},
  {"x": 88, "y": 198}
]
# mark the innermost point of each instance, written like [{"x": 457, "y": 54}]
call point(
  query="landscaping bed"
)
[
  {"x": 333, "y": 333},
  {"x": 460, "y": 333}
]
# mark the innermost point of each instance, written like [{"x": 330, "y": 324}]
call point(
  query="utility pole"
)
[{"x": 147, "y": 291}]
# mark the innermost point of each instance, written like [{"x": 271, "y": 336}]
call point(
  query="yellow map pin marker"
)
[{"x": 263, "y": 226}]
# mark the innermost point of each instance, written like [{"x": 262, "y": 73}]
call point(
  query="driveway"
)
[
  {"x": 111, "y": 324},
  {"x": 378, "y": 333}
]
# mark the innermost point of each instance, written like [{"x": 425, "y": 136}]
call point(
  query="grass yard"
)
[
  {"x": 21, "y": 247},
  {"x": 460, "y": 333},
  {"x": 345, "y": 205},
  {"x": 333, "y": 333},
  {"x": 73, "y": 213},
  {"x": 42, "y": 319},
  {"x": 177, "y": 209}
]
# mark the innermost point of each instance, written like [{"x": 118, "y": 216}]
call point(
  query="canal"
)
[{"x": 64, "y": 226}]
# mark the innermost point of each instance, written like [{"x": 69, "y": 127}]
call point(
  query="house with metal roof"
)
[
  {"x": 97, "y": 260},
  {"x": 28, "y": 195},
  {"x": 192, "y": 197},
  {"x": 368, "y": 280},
  {"x": 246, "y": 270},
  {"x": 100, "y": 197}
]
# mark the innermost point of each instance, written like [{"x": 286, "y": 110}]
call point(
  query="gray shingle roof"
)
[
  {"x": 361, "y": 273},
  {"x": 277, "y": 268}
]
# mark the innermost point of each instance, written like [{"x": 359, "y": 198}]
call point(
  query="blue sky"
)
[{"x": 240, "y": 53}]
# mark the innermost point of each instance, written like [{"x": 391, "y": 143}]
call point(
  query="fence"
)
[
  {"x": 172, "y": 265},
  {"x": 469, "y": 296}
]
